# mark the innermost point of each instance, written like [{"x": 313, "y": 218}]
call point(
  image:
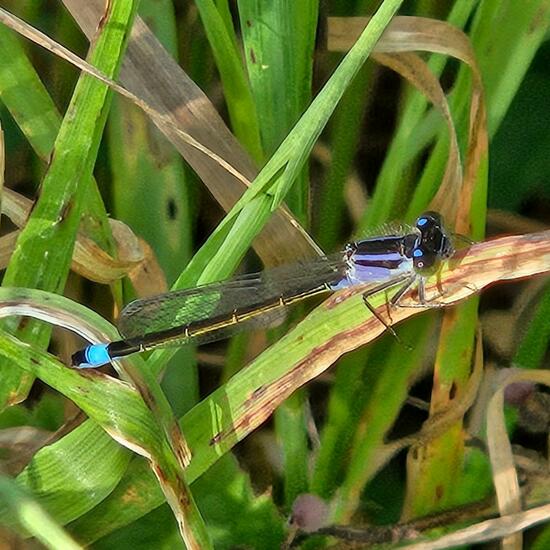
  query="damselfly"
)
[{"x": 215, "y": 311}]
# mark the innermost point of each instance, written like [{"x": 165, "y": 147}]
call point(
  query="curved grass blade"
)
[
  {"x": 127, "y": 419},
  {"x": 44, "y": 248},
  {"x": 340, "y": 325}
]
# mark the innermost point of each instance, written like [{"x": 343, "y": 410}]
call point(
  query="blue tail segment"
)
[{"x": 91, "y": 357}]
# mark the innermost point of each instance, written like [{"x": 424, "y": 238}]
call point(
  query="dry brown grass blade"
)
[
  {"x": 157, "y": 85},
  {"x": 404, "y": 34},
  {"x": 182, "y": 109},
  {"x": 135, "y": 258},
  {"x": 7, "y": 244},
  {"x": 407, "y": 34},
  {"x": 491, "y": 529},
  {"x": 89, "y": 260},
  {"x": 417, "y": 72},
  {"x": 18, "y": 444},
  {"x": 455, "y": 199},
  {"x": 47, "y": 43},
  {"x": 505, "y": 477},
  {"x": 504, "y": 473}
]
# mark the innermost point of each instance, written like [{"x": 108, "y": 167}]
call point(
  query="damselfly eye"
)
[{"x": 429, "y": 221}]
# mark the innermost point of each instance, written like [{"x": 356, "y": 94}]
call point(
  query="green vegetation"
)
[{"x": 293, "y": 129}]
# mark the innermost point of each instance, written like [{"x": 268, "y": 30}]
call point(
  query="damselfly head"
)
[{"x": 434, "y": 243}]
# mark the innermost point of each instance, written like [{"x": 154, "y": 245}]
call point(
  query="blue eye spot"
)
[
  {"x": 417, "y": 253},
  {"x": 421, "y": 221}
]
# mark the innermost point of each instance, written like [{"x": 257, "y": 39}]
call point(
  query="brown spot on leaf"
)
[
  {"x": 66, "y": 210},
  {"x": 172, "y": 209},
  {"x": 184, "y": 499},
  {"x": 216, "y": 439},
  {"x": 258, "y": 392},
  {"x": 453, "y": 390},
  {"x": 159, "y": 472},
  {"x": 146, "y": 394},
  {"x": 103, "y": 19}
]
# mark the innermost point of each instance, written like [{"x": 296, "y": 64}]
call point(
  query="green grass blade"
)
[
  {"x": 236, "y": 88},
  {"x": 350, "y": 394},
  {"x": 30, "y": 105},
  {"x": 435, "y": 467},
  {"x": 115, "y": 405},
  {"x": 44, "y": 248},
  {"x": 278, "y": 41},
  {"x": 500, "y": 78},
  {"x": 151, "y": 193},
  {"x": 291, "y": 432},
  {"x": 448, "y": 450},
  {"x": 69, "y": 485},
  {"x": 246, "y": 400},
  {"x": 220, "y": 255},
  {"x": 505, "y": 57},
  {"x": 271, "y": 185},
  {"x": 165, "y": 85},
  {"x": 25, "y": 96},
  {"x": 30, "y": 516},
  {"x": 344, "y": 135},
  {"x": 396, "y": 368},
  {"x": 534, "y": 343}
]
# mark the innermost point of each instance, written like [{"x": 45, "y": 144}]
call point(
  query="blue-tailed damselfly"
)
[{"x": 215, "y": 311}]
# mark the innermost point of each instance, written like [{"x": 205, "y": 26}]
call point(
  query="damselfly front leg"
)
[
  {"x": 408, "y": 281},
  {"x": 423, "y": 301}
]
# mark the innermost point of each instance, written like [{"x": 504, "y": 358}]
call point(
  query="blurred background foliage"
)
[{"x": 310, "y": 444}]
